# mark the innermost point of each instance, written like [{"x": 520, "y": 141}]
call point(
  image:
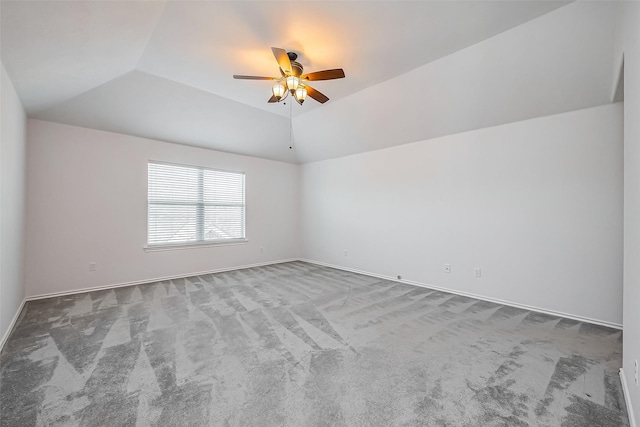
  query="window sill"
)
[{"x": 180, "y": 246}]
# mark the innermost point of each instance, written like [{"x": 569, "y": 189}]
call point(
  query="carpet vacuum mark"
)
[{"x": 297, "y": 344}]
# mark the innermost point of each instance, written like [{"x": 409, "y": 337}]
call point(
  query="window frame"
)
[{"x": 153, "y": 247}]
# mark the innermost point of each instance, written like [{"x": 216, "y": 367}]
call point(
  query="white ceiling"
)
[{"x": 163, "y": 69}]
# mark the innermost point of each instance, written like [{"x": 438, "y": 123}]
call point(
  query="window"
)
[{"x": 194, "y": 205}]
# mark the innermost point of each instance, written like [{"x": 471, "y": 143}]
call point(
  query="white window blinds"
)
[{"x": 188, "y": 204}]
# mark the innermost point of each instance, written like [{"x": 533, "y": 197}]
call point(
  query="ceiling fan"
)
[{"x": 293, "y": 80}]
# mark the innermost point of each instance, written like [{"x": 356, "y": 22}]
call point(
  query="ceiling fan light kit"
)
[
  {"x": 301, "y": 94},
  {"x": 293, "y": 81},
  {"x": 278, "y": 90}
]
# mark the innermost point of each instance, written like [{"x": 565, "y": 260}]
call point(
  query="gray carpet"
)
[{"x": 296, "y": 344}]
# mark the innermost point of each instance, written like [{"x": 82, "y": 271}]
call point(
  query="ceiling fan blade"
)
[
  {"x": 272, "y": 99},
  {"x": 337, "y": 73},
  {"x": 282, "y": 58},
  {"x": 318, "y": 96},
  {"x": 235, "y": 76}
]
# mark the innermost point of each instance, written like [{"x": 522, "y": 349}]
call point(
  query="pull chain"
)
[{"x": 290, "y": 126}]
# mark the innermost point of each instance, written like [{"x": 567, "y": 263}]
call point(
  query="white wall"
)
[
  {"x": 86, "y": 201},
  {"x": 12, "y": 188},
  {"x": 630, "y": 44},
  {"x": 537, "y": 205}
]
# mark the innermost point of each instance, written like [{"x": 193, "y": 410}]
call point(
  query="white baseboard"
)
[
  {"x": 240, "y": 267},
  {"x": 156, "y": 279},
  {"x": 9, "y": 330},
  {"x": 627, "y": 399},
  {"x": 120, "y": 285},
  {"x": 623, "y": 380},
  {"x": 476, "y": 296}
]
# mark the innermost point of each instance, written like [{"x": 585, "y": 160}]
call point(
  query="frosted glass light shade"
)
[
  {"x": 292, "y": 83},
  {"x": 278, "y": 90},
  {"x": 301, "y": 94}
]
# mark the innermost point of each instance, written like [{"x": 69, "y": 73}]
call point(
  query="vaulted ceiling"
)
[{"x": 415, "y": 70}]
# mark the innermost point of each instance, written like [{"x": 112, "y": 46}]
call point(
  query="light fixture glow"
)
[
  {"x": 292, "y": 83},
  {"x": 301, "y": 94},
  {"x": 278, "y": 90}
]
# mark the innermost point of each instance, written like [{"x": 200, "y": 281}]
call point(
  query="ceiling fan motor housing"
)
[{"x": 296, "y": 68}]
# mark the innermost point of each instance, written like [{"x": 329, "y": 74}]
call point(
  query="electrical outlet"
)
[
  {"x": 346, "y": 253},
  {"x": 92, "y": 266},
  {"x": 447, "y": 268},
  {"x": 477, "y": 272},
  {"x": 261, "y": 249},
  {"x": 636, "y": 375}
]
